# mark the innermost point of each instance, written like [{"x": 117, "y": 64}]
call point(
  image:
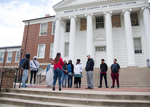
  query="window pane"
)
[
  {"x": 9, "y": 56},
  {"x": 43, "y": 28},
  {"x": 137, "y": 45},
  {"x": 53, "y": 27},
  {"x": 41, "y": 51},
  {"x": 1, "y": 56},
  {"x": 134, "y": 19},
  {"x": 100, "y": 48},
  {"x": 17, "y": 56},
  {"x": 116, "y": 21},
  {"x": 83, "y": 24},
  {"x": 68, "y": 26},
  {"x": 51, "y": 50},
  {"x": 99, "y": 22},
  {"x": 66, "y": 49}
]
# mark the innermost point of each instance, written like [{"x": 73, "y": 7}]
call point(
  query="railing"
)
[
  {"x": 9, "y": 70},
  {"x": 39, "y": 74},
  {"x": 148, "y": 62}
]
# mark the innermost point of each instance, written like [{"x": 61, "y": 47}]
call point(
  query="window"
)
[
  {"x": 99, "y": 22},
  {"x": 100, "y": 48},
  {"x": 41, "y": 50},
  {"x": 116, "y": 21},
  {"x": 51, "y": 50},
  {"x": 1, "y": 56},
  {"x": 137, "y": 45},
  {"x": 43, "y": 29},
  {"x": 68, "y": 26},
  {"x": 134, "y": 19},
  {"x": 9, "y": 56},
  {"x": 83, "y": 24},
  {"x": 17, "y": 56},
  {"x": 53, "y": 30},
  {"x": 66, "y": 49}
]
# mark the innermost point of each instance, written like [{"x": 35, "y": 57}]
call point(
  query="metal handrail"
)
[
  {"x": 8, "y": 70},
  {"x": 40, "y": 75}
]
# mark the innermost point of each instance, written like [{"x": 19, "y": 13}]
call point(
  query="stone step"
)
[
  {"x": 79, "y": 94},
  {"x": 32, "y": 103},
  {"x": 69, "y": 101}
]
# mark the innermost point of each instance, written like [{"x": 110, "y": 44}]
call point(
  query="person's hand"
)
[
  {"x": 66, "y": 71},
  {"x": 21, "y": 68}
]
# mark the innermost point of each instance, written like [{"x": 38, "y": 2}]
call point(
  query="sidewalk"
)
[{"x": 97, "y": 89}]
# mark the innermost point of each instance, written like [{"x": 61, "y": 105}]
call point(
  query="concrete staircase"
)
[
  {"x": 135, "y": 77},
  {"x": 33, "y": 97}
]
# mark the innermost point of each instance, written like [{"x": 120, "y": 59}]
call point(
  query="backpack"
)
[{"x": 21, "y": 62}]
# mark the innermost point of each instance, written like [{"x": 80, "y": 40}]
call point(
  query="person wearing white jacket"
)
[
  {"x": 34, "y": 65},
  {"x": 78, "y": 68}
]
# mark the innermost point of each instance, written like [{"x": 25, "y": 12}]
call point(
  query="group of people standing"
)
[{"x": 61, "y": 70}]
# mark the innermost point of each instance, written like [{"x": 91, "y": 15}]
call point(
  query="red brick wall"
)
[{"x": 34, "y": 39}]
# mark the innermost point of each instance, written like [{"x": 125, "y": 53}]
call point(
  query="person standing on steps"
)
[
  {"x": 89, "y": 72},
  {"x": 70, "y": 73},
  {"x": 78, "y": 68},
  {"x": 34, "y": 65},
  {"x": 58, "y": 63},
  {"x": 64, "y": 73},
  {"x": 50, "y": 74},
  {"x": 25, "y": 67},
  {"x": 103, "y": 73},
  {"x": 115, "y": 71}
]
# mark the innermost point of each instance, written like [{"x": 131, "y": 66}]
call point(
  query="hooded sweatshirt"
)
[
  {"x": 34, "y": 64},
  {"x": 25, "y": 63},
  {"x": 78, "y": 68}
]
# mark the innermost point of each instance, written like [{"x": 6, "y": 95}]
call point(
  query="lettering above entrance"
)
[{"x": 100, "y": 37}]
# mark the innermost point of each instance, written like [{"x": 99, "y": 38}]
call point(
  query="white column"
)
[
  {"x": 109, "y": 37},
  {"x": 89, "y": 38},
  {"x": 147, "y": 27},
  {"x": 129, "y": 37},
  {"x": 56, "y": 38},
  {"x": 72, "y": 38}
]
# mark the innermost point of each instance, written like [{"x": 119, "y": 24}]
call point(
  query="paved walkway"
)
[{"x": 98, "y": 89}]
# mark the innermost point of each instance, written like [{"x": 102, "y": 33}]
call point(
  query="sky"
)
[{"x": 13, "y": 12}]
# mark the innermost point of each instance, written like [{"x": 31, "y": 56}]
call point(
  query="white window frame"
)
[
  {"x": 3, "y": 56},
  {"x": 65, "y": 49},
  {"x": 141, "y": 45},
  {"x": 11, "y": 57},
  {"x": 51, "y": 49},
  {"x": 53, "y": 28},
  {"x": 38, "y": 51},
  {"x": 41, "y": 28},
  {"x": 16, "y": 56}
]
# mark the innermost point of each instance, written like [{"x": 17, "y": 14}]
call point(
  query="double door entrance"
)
[{"x": 100, "y": 53}]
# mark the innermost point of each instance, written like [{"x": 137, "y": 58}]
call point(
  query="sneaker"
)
[
  {"x": 30, "y": 85},
  {"x": 112, "y": 87},
  {"x": 99, "y": 86},
  {"x": 87, "y": 88},
  {"x": 53, "y": 88},
  {"x": 33, "y": 85},
  {"x": 117, "y": 86},
  {"x": 23, "y": 86},
  {"x": 91, "y": 88},
  {"x": 107, "y": 87},
  {"x": 59, "y": 89},
  {"x": 79, "y": 86},
  {"x": 26, "y": 86}
]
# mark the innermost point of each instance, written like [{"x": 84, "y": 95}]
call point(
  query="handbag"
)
[{"x": 35, "y": 65}]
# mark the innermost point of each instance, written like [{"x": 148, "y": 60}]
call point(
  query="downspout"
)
[
  {"x": 4, "y": 58},
  {"x": 26, "y": 39}
]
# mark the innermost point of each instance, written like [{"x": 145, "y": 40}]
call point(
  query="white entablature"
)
[{"x": 79, "y": 7}]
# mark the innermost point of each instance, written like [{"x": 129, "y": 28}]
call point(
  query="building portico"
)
[{"x": 114, "y": 37}]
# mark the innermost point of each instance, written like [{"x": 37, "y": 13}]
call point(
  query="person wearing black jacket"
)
[
  {"x": 103, "y": 73},
  {"x": 25, "y": 67},
  {"x": 89, "y": 72}
]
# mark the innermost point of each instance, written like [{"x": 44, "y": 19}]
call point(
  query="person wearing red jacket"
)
[{"x": 58, "y": 63}]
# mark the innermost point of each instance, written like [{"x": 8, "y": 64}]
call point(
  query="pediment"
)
[
  {"x": 70, "y": 3},
  {"x": 100, "y": 37}
]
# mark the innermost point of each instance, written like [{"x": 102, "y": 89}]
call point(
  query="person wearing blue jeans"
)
[
  {"x": 64, "y": 73},
  {"x": 25, "y": 67},
  {"x": 70, "y": 73},
  {"x": 58, "y": 63}
]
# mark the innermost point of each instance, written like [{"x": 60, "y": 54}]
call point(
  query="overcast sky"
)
[{"x": 12, "y": 12}]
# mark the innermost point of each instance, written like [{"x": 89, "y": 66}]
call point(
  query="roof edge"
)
[
  {"x": 37, "y": 18},
  {"x": 6, "y": 47}
]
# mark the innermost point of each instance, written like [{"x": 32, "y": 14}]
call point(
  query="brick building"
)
[
  {"x": 9, "y": 56},
  {"x": 38, "y": 39}
]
